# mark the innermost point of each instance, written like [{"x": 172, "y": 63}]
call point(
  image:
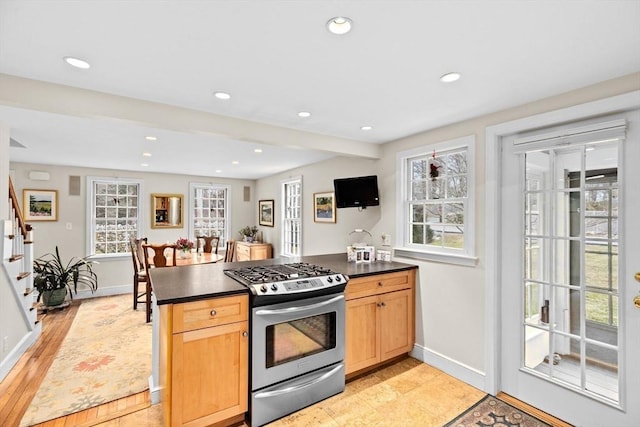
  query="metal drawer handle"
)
[
  {"x": 213, "y": 313},
  {"x": 302, "y": 308},
  {"x": 267, "y": 394},
  {"x": 245, "y": 333}
]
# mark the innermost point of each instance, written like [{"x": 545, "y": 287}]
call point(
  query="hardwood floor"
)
[{"x": 408, "y": 393}]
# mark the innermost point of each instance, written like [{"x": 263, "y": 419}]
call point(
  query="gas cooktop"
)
[{"x": 287, "y": 279}]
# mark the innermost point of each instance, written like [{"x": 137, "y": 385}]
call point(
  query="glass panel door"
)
[{"x": 570, "y": 286}]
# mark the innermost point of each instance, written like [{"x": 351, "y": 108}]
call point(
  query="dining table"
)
[{"x": 192, "y": 259}]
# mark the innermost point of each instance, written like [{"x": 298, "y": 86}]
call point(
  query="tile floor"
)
[{"x": 408, "y": 393}]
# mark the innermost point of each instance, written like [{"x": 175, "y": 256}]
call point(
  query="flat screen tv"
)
[{"x": 360, "y": 191}]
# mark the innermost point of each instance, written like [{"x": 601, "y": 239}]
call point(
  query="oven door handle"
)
[
  {"x": 299, "y": 308},
  {"x": 267, "y": 394}
]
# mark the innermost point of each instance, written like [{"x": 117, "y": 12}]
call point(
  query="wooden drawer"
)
[
  {"x": 243, "y": 252},
  {"x": 379, "y": 284},
  {"x": 211, "y": 312}
]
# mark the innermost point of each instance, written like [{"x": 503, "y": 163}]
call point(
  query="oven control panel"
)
[{"x": 293, "y": 286}]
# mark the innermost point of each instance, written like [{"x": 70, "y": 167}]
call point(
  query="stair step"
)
[
  {"x": 23, "y": 275},
  {"x": 15, "y": 257}
]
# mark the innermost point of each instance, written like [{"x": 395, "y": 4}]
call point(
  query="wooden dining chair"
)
[
  {"x": 157, "y": 251},
  {"x": 139, "y": 270},
  {"x": 230, "y": 251},
  {"x": 210, "y": 243}
]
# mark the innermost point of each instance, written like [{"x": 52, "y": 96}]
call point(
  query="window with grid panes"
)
[
  {"x": 436, "y": 198},
  {"x": 209, "y": 211},
  {"x": 114, "y": 213},
  {"x": 292, "y": 218}
]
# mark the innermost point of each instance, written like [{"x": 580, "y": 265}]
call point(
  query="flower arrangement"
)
[
  {"x": 184, "y": 244},
  {"x": 248, "y": 233}
]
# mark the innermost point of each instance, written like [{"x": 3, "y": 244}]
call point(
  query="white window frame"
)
[
  {"x": 192, "y": 203},
  {"x": 466, "y": 255},
  {"x": 285, "y": 249},
  {"x": 91, "y": 209}
]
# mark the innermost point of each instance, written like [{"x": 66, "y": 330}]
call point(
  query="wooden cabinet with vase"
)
[
  {"x": 204, "y": 361},
  {"x": 380, "y": 319},
  {"x": 246, "y": 251}
]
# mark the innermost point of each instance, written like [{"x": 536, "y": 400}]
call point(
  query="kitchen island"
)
[{"x": 201, "y": 331}]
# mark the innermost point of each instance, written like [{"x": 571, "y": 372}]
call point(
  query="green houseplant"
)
[
  {"x": 248, "y": 233},
  {"x": 53, "y": 278}
]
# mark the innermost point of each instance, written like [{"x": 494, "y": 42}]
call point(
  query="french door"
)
[{"x": 570, "y": 246}]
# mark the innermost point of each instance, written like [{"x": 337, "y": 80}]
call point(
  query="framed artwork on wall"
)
[
  {"x": 324, "y": 207},
  {"x": 265, "y": 212},
  {"x": 40, "y": 205}
]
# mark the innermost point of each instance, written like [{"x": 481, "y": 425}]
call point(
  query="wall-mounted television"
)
[{"x": 361, "y": 191}]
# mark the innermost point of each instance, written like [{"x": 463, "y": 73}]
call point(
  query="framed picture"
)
[
  {"x": 324, "y": 207},
  {"x": 40, "y": 205},
  {"x": 265, "y": 212}
]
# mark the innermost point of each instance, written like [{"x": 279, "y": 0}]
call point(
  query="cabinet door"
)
[
  {"x": 210, "y": 374},
  {"x": 396, "y": 324},
  {"x": 362, "y": 335}
]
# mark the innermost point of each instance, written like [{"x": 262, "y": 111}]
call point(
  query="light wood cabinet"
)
[
  {"x": 380, "y": 319},
  {"x": 204, "y": 361},
  {"x": 253, "y": 251}
]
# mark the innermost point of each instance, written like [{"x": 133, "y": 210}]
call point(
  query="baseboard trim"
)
[
  {"x": 154, "y": 391},
  {"x": 452, "y": 367},
  {"x": 16, "y": 353},
  {"x": 104, "y": 292}
]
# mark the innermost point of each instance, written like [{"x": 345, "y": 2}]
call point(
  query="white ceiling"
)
[{"x": 276, "y": 58}]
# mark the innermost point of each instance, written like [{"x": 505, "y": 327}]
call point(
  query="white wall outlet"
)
[
  {"x": 386, "y": 239},
  {"x": 69, "y": 226}
]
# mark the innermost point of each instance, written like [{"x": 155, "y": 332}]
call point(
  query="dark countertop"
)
[{"x": 173, "y": 285}]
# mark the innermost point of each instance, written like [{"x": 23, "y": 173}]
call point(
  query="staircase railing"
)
[{"x": 16, "y": 248}]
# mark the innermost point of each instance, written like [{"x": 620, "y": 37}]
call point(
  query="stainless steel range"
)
[{"x": 297, "y": 331}]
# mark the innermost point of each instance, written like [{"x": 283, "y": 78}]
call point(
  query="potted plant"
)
[
  {"x": 53, "y": 278},
  {"x": 184, "y": 246},
  {"x": 248, "y": 233}
]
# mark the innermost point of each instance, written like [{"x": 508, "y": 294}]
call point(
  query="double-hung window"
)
[
  {"x": 114, "y": 215},
  {"x": 209, "y": 211},
  {"x": 292, "y": 217},
  {"x": 435, "y": 202}
]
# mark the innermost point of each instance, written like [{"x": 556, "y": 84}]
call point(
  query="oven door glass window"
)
[{"x": 300, "y": 338}]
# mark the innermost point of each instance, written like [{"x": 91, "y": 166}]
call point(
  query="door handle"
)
[{"x": 301, "y": 308}]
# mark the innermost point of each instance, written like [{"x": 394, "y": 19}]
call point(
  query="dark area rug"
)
[{"x": 491, "y": 411}]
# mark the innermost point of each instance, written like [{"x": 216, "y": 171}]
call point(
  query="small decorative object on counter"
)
[{"x": 383, "y": 255}]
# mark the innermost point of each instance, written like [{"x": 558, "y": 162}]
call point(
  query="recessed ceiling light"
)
[
  {"x": 76, "y": 62},
  {"x": 450, "y": 77},
  {"x": 339, "y": 25},
  {"x": 257, "y": 150},
  {"x": 218, "y": 171},
  {"x": 366, "y": 128},
  {"x": 146, "y": 154},
  {"x": 235, "y": 162},
  {"x": 222, "y": 95},
  {"x": 304, "y": 114},
  {"x": 144, "y": 164},
  {"x": 150, "y": 138}
]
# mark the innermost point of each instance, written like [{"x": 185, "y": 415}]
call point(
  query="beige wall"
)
[
  {"x": 322, "y": 238},
  {"x": 450, "y": 307},
  {"x": 72, "y": 210}
]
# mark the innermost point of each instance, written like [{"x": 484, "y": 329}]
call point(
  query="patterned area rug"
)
[
  {"x": 105, "y": 356},
  {"x": 491, "y": 411}
]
